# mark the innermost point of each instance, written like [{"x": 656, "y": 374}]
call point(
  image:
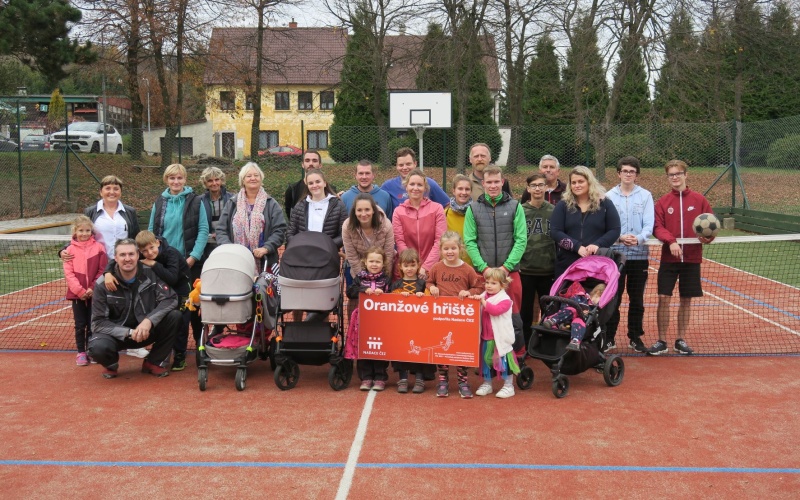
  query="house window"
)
[
  {"x": 267, "y": 139},
  {"x": 250, "y": 102},
  {"x": 281, "y": 100},
  {"x": 227, "y": 100},
  {"x": 317, "y": 139},
  {"x": 305, "y": 100},
  {"x": 326, "y": 99}
]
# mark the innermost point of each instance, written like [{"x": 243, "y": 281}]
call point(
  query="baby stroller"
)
[
  {"x": 310, "y": 281},
  {"x": 229, "y": 296},
  {"x": 550, "y": 345}
]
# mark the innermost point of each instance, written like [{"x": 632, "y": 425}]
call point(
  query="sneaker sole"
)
[
  {"x": 639, "y": 349},
  {"x": 658, "y": 353},
  {"x": 683, "y": 352},
  {"x": 466, "y": 396}
]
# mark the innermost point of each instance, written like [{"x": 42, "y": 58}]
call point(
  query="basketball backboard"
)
[{"x": 420, "y": 109}]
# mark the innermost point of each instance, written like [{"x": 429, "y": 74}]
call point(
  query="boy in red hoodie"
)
[{"x": 675, "y": 213}]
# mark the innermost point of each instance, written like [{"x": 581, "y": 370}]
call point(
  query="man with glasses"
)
[
  {"x": 550, "y": 167},
  {"x": 675, "y": 214},
  {"x": 536, "y": 267},
  {"x": 635, "y": 207}
]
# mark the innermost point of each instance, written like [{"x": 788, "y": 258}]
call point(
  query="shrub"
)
[{"x": 784, "y": 153}]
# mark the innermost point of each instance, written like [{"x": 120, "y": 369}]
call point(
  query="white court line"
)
[
  {"x": 32, "y": 286},
  {"x": 747, "y": 311},
  {"x": 355, "y": 449},
  {"x": 35, "y": 319}
]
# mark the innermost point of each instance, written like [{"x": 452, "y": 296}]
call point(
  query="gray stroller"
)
[{"x": 238, "y": 312}]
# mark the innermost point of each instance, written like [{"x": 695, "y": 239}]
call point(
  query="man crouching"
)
[{"x": 142, "y": 311}]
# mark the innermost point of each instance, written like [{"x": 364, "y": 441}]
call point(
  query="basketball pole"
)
[{"x": 420, "y": 130}]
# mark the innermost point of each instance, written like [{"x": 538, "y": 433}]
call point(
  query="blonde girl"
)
[
  {"x": 497, "y": 334},
  {"x": 81, "y": 272},
  {"x": 452, "y": 277}
]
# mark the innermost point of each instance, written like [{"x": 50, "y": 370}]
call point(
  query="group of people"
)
[{"x": 406, "y": 236}]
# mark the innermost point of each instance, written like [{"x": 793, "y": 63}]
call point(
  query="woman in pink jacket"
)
[
  {"x": 81, "y": 272},
  {"x": 419, "y": 223}
]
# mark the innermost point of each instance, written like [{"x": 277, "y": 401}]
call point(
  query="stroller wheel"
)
[
  {"x": 340, "y": 374},
  {"x": 560, "y": 386},
  {"x": 525, "y": 378},
  {"x": 241, "y": 377},
  {"x": 286, "y": 375},
  {"x": 202, "y": 378},
  {"x": 614, "y": 370}
]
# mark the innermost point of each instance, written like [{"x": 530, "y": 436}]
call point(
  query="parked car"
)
[
  {"x": 87, "y": 137},
  {"x": 281, "y": 151},
  {"x": 6, "y": 144},
  {"x": 36, "y": 143}
]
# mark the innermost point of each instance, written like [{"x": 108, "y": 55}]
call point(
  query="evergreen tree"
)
[
  {"x": 544, "y": 106},
  {"x": 584, "y": 75},
  {"x": 37, "y": 33},
  {"x": 56, "y": 112},
  {"x": 777, "y": 86},
  {"x": 353, "y": 134},
  {"x": 634, "y": 99}
]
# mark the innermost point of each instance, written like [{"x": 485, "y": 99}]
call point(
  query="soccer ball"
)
[{"x": 706, "y": 225}]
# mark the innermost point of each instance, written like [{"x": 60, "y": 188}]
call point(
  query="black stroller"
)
[
  {"x": 310, "y": 280},
  {"x": 550, "y": 345}
]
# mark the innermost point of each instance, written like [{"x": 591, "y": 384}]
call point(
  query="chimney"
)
[{"x": 293, "y": 24}]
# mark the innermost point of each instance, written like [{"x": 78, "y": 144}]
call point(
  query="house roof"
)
[{"x": 313, "y": 56}]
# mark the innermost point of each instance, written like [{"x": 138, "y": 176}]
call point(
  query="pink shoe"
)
[{"x": 82, "y": 359}]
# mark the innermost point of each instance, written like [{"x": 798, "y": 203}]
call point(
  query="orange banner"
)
[{"x": 442, "y": 331}]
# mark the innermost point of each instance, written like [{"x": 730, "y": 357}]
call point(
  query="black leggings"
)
[{"x": 82, "y": 314}]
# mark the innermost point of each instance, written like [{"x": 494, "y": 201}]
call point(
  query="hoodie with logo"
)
[{"x": 675, "y": 214}]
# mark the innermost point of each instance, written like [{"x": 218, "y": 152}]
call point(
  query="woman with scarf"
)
[
  {"x": 253, "y": 218},
  {"x": 454, "y": 213},
  {"x": 179, "y": 217}
]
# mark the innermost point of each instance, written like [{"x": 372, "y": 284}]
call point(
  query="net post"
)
[{"x": 419, "y": 130}]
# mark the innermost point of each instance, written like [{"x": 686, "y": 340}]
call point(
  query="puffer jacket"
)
[{"x": 334, "y": 219}]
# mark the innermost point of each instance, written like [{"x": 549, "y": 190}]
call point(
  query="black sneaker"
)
[
  {"x": 179, "y": 363},
  {"x": 610, "y": 346},
  {"x": 638, "y": 346},
  {"x": 681, "y": 347},
  {"x": 658, "y": 348}
]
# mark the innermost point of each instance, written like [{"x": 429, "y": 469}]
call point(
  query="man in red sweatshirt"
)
[{"x": 675, "y": 213}]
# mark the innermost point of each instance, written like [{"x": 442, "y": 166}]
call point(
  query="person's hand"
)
[
  {"x": 142, "y": 331},
  {"x": 422, "y": 273},
  {"x": 339, "y": 194},
  {"x": 84, "y": 295},
  {"x": 377, "y": 291},
  {"x": 675, "y": 250},
  {"x": 463, "y": 294},
  {"x": 89, "y": 294},
  {"x": 405, "y": 294},
  {"x": 434, "y": 290},
  {"x": 483, "y": 301},
  {"x": 66, "y": 256},
  {"x": 369, "y": 291},
  {"x": 342, "y": 255},
  {"x": 705, "y": 240},
  {"x": 583, "y": 251},
  {"x": 420, "y": 294},
  {"x": 260, "y": 252},
  {"x": 148, "y": 262},
  {"x": 110, "y": 282},
  {"x": 629, "y": 240},
  {"x": 592, "y": 249},
  {"x": 191, "y": 261}
]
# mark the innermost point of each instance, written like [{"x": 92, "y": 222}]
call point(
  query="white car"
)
[{"x": 87, "y": 137}]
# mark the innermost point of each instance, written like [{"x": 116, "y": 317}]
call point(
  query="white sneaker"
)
[
  {"x": 138, "y": 353},
  {"x": 485, "y": 389},
  {"x": 507, "y": 391}
]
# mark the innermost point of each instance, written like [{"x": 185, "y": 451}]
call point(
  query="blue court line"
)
[
  {"x": 25, "y": 311},
  {"x": 335, "y": 465},
  {"x": 753, "y": 300}
]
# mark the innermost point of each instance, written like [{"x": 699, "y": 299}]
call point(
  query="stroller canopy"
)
[
  {"x": 310, "y": 256},
  {"x": 592, "y": 266},
  {"x": 229, "y": 270}
]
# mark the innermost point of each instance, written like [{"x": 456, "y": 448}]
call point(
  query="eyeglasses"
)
[
  {"x": 537, "y": 186},
  {"x": 627, "y": 172},
  {"x": 675, "y": 175}
]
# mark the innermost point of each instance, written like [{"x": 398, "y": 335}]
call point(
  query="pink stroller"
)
[{"x": 550, "y": 345}]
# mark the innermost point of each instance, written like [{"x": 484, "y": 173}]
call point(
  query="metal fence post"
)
[
  {"x": 19, "y": 162},
  {"x": 588, "y": 128}
]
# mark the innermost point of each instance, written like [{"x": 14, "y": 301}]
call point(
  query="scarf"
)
[
  {"x": 373, "y": 280},
  {"x": 249, "y": 224},
  {"x": 455, "y": 207}
]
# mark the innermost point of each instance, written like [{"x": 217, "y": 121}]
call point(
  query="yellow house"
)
[{"x": 300, "y": 73}]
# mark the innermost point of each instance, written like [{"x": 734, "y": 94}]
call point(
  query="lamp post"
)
[{"x": 148, "y": 102}]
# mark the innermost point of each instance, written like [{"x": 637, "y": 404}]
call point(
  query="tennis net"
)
[{"x": 750, "y": 303}]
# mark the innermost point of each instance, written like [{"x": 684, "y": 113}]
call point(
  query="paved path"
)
[{"x": 49, "y": 224}]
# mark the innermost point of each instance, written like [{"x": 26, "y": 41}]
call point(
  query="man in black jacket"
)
[{"x": 142, "y": 311}]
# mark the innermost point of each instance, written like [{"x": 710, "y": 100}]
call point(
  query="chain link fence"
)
[{"x": 746, "y": 165}]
